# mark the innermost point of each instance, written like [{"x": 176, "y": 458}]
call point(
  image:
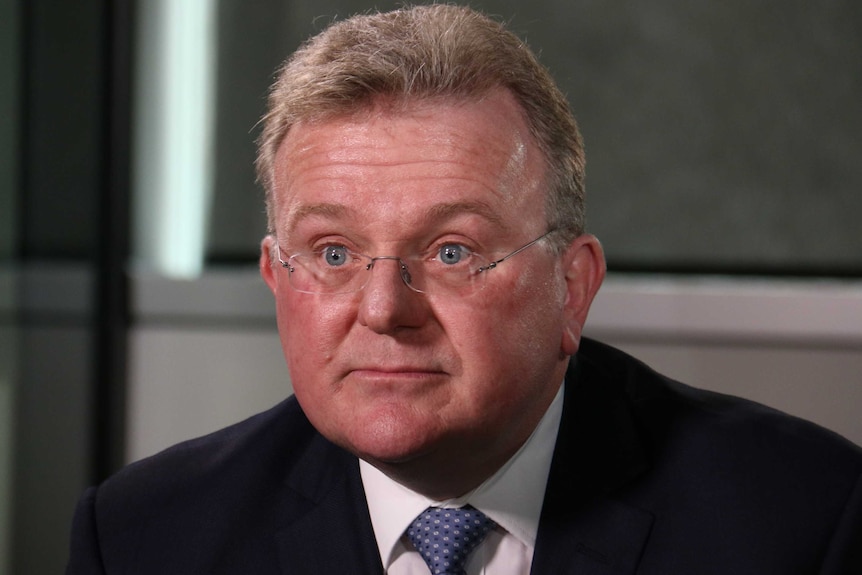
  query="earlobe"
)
[
  {"x": 267, "y": 267},
  {"x": 571, "y": 338},
  {"x": 584, "y": 272}
]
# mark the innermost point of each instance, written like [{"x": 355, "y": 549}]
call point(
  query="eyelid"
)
[
  {"x": 320, "y": 244},
  {"x": 323, "y": 247},
  {"x": 460, "y": 239}
]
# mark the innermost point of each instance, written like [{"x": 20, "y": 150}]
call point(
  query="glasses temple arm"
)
[{"x": 494, "y": 264}]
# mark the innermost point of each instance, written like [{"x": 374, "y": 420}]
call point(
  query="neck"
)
[
  {"x": 425, "y": 477},
  {"x": 431, "y": 475}
]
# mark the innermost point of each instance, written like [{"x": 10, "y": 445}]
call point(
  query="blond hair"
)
[{"x": 427, "y": 52}]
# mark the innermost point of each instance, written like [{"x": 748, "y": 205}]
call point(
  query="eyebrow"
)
[
  {"x": 437, "y": 213},
  {"x": 442, "y": 212},
  {"x": 329, "y": 210}
]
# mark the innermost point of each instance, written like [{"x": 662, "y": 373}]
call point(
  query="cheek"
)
[
  {"x": 532, "y": 312},
  {"x": 311, "y": 332},
  {"x": 512, "y": 326}
]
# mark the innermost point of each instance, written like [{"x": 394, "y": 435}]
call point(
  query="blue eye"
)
[
  {"x": 336, "y": 255},
  {"x": 452, "y": 254}
]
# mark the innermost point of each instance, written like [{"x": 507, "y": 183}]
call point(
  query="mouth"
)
[
  {"x": 395, "y": 376},
  {"x": 384, "y": 370}
]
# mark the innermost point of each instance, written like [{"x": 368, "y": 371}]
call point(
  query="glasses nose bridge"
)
[{"x": 403, "y": 270}]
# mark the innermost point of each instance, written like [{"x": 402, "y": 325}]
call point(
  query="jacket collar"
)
[
  {"x": 583, "y": 529},
  {"x": 327, "y": 527}
]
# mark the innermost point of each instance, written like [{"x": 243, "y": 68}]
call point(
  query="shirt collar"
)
[{"x": 512, "y": 497}]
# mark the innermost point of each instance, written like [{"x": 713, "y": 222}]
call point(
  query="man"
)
[{"x": 431, "y": 273}]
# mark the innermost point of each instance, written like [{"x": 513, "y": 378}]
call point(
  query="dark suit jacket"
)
[{"x": 649, "y": 476}]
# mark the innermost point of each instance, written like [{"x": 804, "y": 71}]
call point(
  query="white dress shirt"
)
[{"x": 512, "y": 497}]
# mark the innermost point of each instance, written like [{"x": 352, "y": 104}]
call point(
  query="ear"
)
[
  {"x": 267, "y": 264},
  {"x": 585, "y": 267}
]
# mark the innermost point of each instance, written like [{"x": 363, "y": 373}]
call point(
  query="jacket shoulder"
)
[
  {"x": 214, "y": 480},
  {"x": 662, "y": 404},
  {"x": 283, "y": 429},
  {"x": 722, "y": 472}
]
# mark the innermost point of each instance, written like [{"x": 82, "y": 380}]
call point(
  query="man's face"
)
[{"x": 399, "y": 377}]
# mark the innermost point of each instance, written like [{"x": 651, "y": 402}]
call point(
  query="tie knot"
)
[{"x": 445, "y": 537}]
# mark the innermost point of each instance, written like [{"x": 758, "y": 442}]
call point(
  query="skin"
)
[{"x": 410, "y": 382}]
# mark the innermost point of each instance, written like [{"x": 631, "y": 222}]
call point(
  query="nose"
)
[
  {"x": 406, "y": 276},
  {"x": 386, "y": 303}
]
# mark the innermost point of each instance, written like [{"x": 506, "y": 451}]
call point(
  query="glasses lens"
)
[
  {"x": 337, "y": 271},
  {"x": 460, "y": 278},
  {"x": 327, "y": 272}
]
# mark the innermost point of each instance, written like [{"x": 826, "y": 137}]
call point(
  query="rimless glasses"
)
[{"x": 452, "y": 269}]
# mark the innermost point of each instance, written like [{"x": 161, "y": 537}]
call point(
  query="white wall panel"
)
[{"x": 205, "y": 354}]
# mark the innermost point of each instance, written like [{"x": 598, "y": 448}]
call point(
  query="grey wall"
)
[
  {"x": 720, "y": 135},
  {"x": 45, "y": 411}
]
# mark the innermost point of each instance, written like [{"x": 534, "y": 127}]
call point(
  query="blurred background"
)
[{"x": 724, "y": 144}]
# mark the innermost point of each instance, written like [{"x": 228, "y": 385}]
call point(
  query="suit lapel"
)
[
  {"x": 328, "y": 528},
  {"x": 605, "y": 538},
  {"x": 583, "y": 529}
]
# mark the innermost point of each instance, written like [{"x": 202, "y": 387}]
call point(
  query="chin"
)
[{"x": 389, "y": 441}]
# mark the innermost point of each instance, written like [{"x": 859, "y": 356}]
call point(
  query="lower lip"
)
[{"x": 395, "y": 378}]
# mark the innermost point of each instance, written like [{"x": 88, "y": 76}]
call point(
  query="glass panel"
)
[{"x": 173, "y": 136}]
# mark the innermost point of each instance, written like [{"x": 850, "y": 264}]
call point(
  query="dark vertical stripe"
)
[{"x": 111, "y": 286}]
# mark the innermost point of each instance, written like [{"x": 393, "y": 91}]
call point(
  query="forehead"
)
[{"x": 430, "y": 157}]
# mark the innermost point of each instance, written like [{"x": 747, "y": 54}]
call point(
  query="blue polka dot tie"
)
[{"x": 445, "y": 537}]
